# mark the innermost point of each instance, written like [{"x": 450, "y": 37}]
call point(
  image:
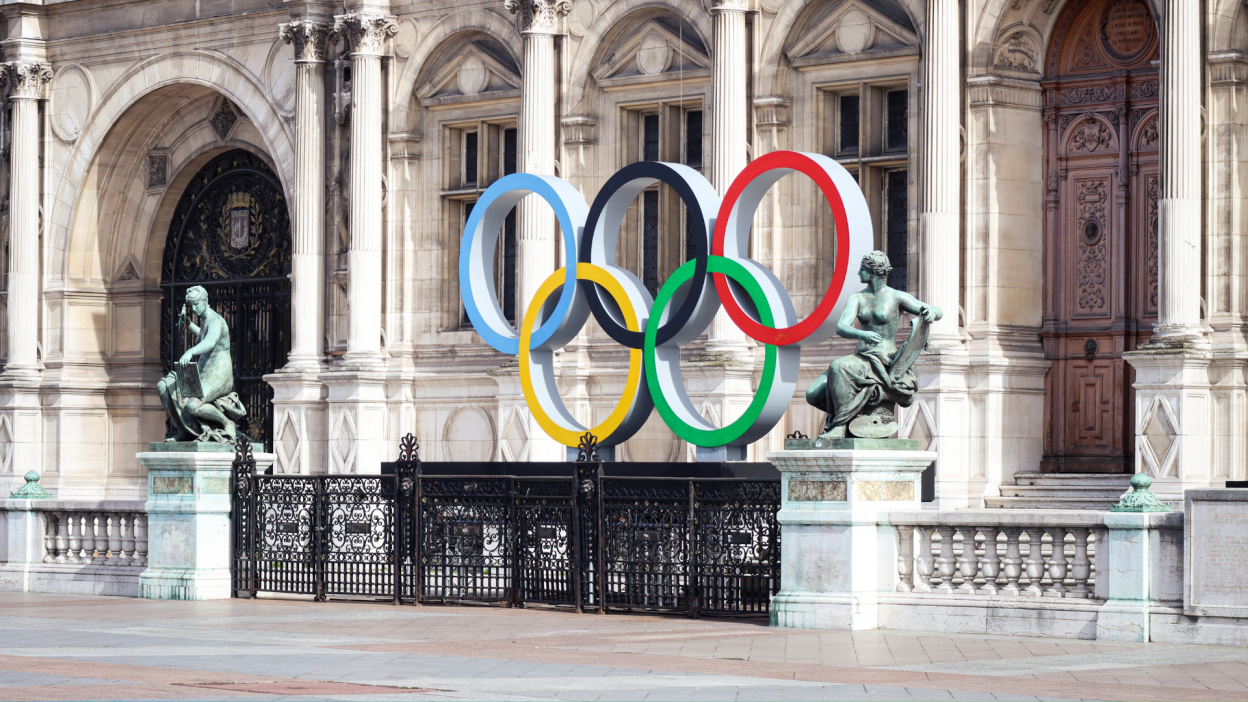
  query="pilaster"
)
[
  {"x": 944, "y": 403},
  {"x": 21, "y": 431},
  {"x": 941, "y": 170},
  {"x": 356, "y": 437}
]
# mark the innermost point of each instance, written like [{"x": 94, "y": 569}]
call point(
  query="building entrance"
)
[
  {"x": 230, "y": 234},
  {"x": 1101, "y": 228}
]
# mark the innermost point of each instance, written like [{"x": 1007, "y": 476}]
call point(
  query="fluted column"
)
[
  {"x": 728, "y": 134},
  {"x": 1178, "y": 211},
  {"x": 536, "y": 248},
  {"x": 365, "y": 36},
  {"x": 308, "y": 267},
  {"x": 941, "y": 173},
  {"x": 25, "y": 81}
]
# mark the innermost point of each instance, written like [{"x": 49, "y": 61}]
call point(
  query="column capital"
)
[
  {"x": 25, "y": 79},
  {"x": 364, "y": 34},
  {"x": 728, "y": 5},
  {"x": 537, "y": 16},
  {"x": 310, "y": 39}
]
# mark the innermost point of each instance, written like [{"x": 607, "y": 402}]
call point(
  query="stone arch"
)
[
  {"x": 1227, "y": 26},
  {"x": 116, "y": 133},
  {"x": 489, "y": 22},
  {"x": 998, "y": 20},
  {"x": 774, "y": 79},
  {"x": 602, "y": 28}
]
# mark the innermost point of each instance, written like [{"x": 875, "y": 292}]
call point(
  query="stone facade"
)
[{"x": 385, "y": 120}]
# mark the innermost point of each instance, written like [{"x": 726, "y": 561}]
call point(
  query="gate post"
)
[
  {"x": 406, "y": 518},
  {"x": 243, "y": 509},
  {"x": 319, "y": 557},
  {"x": 588, "y": 521}
]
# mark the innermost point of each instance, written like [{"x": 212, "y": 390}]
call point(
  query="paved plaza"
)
[{"x": 101, "y": 648}]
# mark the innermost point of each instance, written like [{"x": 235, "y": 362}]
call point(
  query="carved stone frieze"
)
[
  {"x": 538, "y": 16},
  {"x": 1017, "y": 53},
  {"x": 1143, "y": 91},
  {"x": 364, "y": 34},
  {"x": 310, "y": 39},
  {"x": 1094, "y": 93},
  {"x": 1153, "y": 186},
  {"x": 25, "y": 79}
]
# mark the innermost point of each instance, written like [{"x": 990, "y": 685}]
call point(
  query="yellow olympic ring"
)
[{"x": 563, "y": 427}]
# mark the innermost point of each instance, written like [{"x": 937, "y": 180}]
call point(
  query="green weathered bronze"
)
[
  {"x": 858, "y": 391},
  {"x": 32, "y": 490},
  {"x": 1140, "y": 499},
  {"x": 199, "y": 395}
]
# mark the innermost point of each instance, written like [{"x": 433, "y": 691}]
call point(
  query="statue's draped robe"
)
[{"x": 862, "y": 380}]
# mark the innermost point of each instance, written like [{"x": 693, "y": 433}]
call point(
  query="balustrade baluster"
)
[
  {"x": 114, "y": 539},
  {"x": 968, "y": 564},
  {"x": 140, "y": 540},
  {"x": 924, "y": 561},
  {"x": 62, "y": 537},
  {"x": 1080, "y": 567},
  {"x": 1057, "y": 562},
  {"x": 50, "y": 522},
  {"x": 905, "y": 558},
  {"x": 946, "y": 563},
  {"x": 1035, "y": 562},
  {"x": 87, "y": 527},
  {"x": 127, "y": 541},
  {"x": 1011, "y": 565},
  {"x": 75, "y": 538},
  {"x": 990, "y": 563}
]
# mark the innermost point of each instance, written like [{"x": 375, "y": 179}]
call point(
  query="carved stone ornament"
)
[
  {"x": 26, "y": 79},
  {"x": 1140, "y": 499},
  {"x": 310, "y": 39},
  {"x": 364, "y": 34},
  {"x": 1017, "y": 53},
  {"x": 538, "y": 16},
  {"x": 728, "y": 5}
]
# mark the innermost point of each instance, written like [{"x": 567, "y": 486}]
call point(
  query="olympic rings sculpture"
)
[{"x": 720, "y": 273}]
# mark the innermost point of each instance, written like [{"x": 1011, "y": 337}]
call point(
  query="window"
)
[
  {"x": 849, "y": 123},
  {"x": 506, "y": 287},
  {"x": 693, "y": 139},
  {"x": 470, "y": 159},
  {"x": 897, "y": 226},
  {"x": 650, "y": 208},
  {"x": 650, "y": 138},
  {"x": 898, "y": 123}
]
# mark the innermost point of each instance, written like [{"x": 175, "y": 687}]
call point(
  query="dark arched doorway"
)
[
  {"x": 230, "y": 234},
  {"x": 1101, "y": 228}
]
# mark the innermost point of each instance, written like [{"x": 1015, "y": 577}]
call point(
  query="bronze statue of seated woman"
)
[
  {"x": 198, "y": 395},
  {"x": 858, "y": 391}
]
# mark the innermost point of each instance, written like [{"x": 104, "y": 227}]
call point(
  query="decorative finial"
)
[
  {"x": 587, "y": 449},
  {"x": 797, "y": 434},
  {"x": 32, "y": 490},
  {"x": 1140, "y": 499},
  {"x": 409, "y": 449},
  {"x": 242, "y": 448}
]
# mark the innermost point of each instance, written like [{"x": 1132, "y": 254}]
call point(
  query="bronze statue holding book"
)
[
  {"x": 198, "y": 395},
  {"x": 858, "y": 391}
]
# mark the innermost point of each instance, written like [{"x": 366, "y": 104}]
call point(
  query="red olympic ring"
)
[{"x": 752, "y": 178}]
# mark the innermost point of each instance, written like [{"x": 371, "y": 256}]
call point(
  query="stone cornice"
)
[
  {"x": 364, "y": 34},
  {"x": 1005, "y": 92},
  {"x": 25, "y": 79},
  {"x": 310, "y": 39},
  {"x": 537, "y": 16},
  {"x": 728, "y": 6}
]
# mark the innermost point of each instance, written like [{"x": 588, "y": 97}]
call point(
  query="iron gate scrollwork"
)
[
  {"x": 230, "y": 234},
  {"x": 585, "y": 540}
]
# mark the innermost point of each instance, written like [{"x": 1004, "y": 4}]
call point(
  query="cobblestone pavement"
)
[{"x": 102, "y": 648}]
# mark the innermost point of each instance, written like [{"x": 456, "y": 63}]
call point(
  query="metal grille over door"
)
[{"x": 230, "y": 234}]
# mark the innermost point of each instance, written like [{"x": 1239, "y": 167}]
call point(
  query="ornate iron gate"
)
[
  {"x": 230, "y": 234},
  {"x": 585, "y": 539}
]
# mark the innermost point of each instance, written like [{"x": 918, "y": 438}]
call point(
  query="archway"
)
[
  {"x": 230, "y": 234},
  {"x": 1101, "y": 228}
]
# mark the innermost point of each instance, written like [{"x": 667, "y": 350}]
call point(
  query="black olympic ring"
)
[{"x": 612, "y": 202}]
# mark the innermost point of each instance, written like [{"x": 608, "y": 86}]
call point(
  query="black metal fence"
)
[{"x": 588, "y": 535}]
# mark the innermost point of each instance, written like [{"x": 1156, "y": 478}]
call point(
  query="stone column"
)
[
  {"x": 537, "y": 249},
  {"x": 356, "y": 393},
  {"x": 729, "y": 129},
  {"x": 26, "y": 80},
  {"x": 940, "y": 174},
  {"x": 365, "y": 36},
  {"x": 308, "y": 266},
  {"x": 1178, "y": 210},
  {"x": 298, "y": 394},
  {"x": 19, "y": 383}
]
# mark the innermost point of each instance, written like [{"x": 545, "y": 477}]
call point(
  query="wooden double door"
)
[{"x": 1101, "y": 251}]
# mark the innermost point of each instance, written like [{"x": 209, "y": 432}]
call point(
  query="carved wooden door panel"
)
[{"x": 1100, "y": 262}]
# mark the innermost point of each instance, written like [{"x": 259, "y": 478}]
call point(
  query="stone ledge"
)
[{"x": 71, "y": 579}]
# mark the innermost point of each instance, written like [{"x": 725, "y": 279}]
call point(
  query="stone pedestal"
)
[
  {"x": 188, "y": 516},
  {"x": 839, "y": 550},
  {"x": 1138, "y": 559}
]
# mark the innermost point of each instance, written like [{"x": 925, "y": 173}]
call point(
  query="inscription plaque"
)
[
  {"x": 1217, "y": 546},
  {"x": 1127, "y": 28}
]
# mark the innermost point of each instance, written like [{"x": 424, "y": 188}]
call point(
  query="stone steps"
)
[{"x": 1096, "y": 491}]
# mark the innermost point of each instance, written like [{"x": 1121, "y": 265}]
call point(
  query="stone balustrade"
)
[
  {"x": 999, "y": 553},
  {"x": 95, "y": 536}
]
